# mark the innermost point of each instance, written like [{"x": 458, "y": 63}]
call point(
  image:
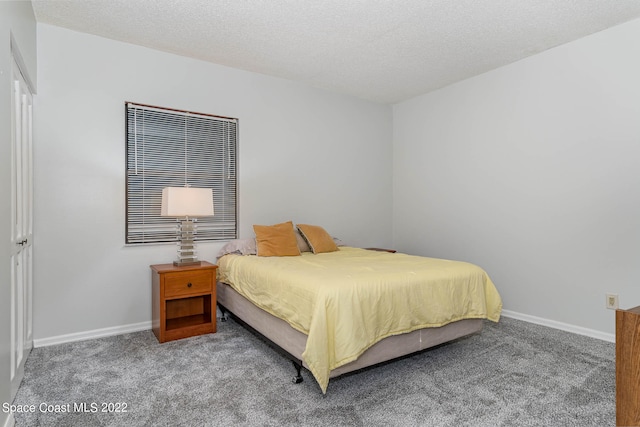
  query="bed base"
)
[{"x": 291, "y": 342}]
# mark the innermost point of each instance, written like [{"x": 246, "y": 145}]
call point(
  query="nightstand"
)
[
  {"x": 393, "y": 251},
  {"x": 183, "y": 300}
]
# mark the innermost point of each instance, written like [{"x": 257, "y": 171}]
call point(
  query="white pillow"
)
[{"x": 239, "y": 246}]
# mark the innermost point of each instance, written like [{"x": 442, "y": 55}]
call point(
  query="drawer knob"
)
[{"x": 189, "y": 285}]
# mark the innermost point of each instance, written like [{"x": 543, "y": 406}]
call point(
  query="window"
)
[{"x": 170, "y": 148}]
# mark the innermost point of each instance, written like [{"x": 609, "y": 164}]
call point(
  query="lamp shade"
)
[{"x": 186, "y": 201}]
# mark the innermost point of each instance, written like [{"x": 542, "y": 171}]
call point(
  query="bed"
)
[{"x": 349, "y": 308}]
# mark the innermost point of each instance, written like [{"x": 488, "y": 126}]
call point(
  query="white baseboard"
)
[
  {"x": 559, "y": 325},
  {"x": 10, "y": 421},
  {"x": 96, "y": 333},
  {"x": 143, "y": 326}
]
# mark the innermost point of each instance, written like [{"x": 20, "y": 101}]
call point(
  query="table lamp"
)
[{"x": 186, "y": 203}]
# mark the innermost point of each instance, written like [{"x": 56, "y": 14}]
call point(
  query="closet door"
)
[{"x": 21, "y": 228}]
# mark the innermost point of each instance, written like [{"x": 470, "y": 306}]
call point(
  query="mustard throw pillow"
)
[
  {"x": 276, "y": 240},
  {"x": 319, "y": 240}
]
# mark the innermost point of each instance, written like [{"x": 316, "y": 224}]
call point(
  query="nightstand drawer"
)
[{"x": 187, "y": 283}]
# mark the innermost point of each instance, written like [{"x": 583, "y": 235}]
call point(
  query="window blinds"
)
[{"x": 169, "y": 148}]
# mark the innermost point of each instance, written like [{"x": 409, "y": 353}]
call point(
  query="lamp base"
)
[
  {"x": 185, "y": 263},
  {"x": 187, "y": 249}
]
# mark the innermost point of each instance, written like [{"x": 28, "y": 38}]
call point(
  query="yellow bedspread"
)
[{"x": 346, "y": 301}]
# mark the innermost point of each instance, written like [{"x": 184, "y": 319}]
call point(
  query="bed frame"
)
[{"x": 293, "y": 342}]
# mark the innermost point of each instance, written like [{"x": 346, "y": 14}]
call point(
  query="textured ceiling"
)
[{"x": 380, "y": 50}]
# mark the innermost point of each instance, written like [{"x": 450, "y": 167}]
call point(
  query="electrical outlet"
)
[{"x": 612, "y": 301}]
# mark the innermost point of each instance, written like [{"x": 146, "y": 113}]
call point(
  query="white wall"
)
[
  {"x": 304, "y": 155},
  {"x": 16, "y": 18},
  {"x": 531, "y": 171},
  {"x": 527, "y": 170}
]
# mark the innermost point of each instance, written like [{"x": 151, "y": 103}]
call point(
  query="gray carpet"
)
[{"x": 511, "y": 374}]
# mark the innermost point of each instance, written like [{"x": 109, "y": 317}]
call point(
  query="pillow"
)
[
  {"x": 276, "y": 240},
  {"x": 318, "y": 239},
  {"x": 302, "y": 244},
  {"x": 239, "y": 246}
]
